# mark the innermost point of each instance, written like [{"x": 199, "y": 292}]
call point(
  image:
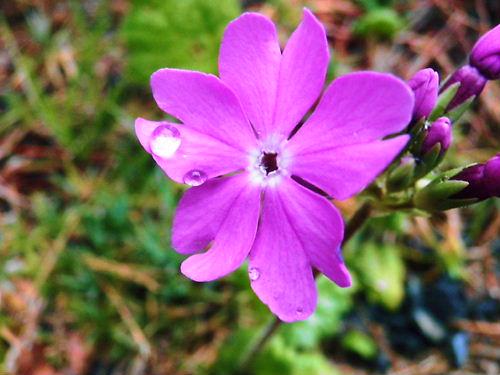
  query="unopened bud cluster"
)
[{"x": 436, "y": 110}]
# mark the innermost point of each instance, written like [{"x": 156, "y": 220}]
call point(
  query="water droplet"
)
[
  {"x": 195, "y": 177},
  {"x": 253, "y": 273},
  {"x": 165, "y": 141},
  {"x": 299, "y": 311}
]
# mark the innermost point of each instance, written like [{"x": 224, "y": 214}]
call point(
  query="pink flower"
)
[{"x": 238, "y": 149}]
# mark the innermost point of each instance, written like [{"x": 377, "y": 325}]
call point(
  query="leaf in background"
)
[
  {"x": 333, "y": 303},
  {"x": 177, "y": 34},
  {"x": 280, "y": 358},
  {"x": 360, "y": 343},
  {"x": 382, "y": 23},
  {"x": 382, "y": 272}
]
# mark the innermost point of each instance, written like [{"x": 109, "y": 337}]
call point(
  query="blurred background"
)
[{"x": 88, "y": 283}]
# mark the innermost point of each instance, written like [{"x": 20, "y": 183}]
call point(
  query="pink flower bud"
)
[
  {"x": 485, "y": 55},
  {"x": 439, "y": 132},
  {"x": 425, "y": 86},
  {"x": 483, "y": 179},
  {"x": 471, "y": 81}
]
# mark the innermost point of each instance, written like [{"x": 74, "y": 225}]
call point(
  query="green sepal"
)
[
  {"x": 448, "y": 188},
  {"x": 443, "y": 101},
  {"x": 451, "y": 172},
  {"x": 455, "y": 203},
  {"x": 429, "y": 161},
  {"x": 401, "y": 177},
  {"x": 417, "y": 127},
  {"x": 434, "y": 197},
  {"x": 455, "y": 114},
  {"x": 418, "y": 133}
]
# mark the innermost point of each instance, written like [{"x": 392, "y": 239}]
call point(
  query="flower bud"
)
[
  {"x": 471, "y": 81},
  {"x": 485, "y": 55},
  {"x": 483, "y": 179},
  {"x": 439, "y": 132},
  {"x": 425, "y": 86}
]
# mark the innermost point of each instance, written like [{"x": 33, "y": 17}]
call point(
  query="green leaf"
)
[
  {"x": 382, "y": 272},
  {"x": 333, "y": 303},
  {"x": 280, "y": 358},
  {"x": 360, "y": 343},
  {"x": 429, "y": 161},
  {"x": 381, "y": 23}
]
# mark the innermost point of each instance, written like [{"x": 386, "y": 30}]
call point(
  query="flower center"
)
[{"x": 269, "y": 162}]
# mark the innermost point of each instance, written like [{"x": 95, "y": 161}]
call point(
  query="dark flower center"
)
[{"x": 269, "y": 162}]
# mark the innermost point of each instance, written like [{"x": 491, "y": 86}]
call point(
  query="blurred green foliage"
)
[
  {"x": 79, "y": 119},
  {"x": 382, "y": 272},
  {"x": 380, "y": 21},
  {"x": 177, "y": 34},
  {"x": 360, "y": 343}
]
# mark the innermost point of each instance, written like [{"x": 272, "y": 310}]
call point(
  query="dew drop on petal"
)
[
  {"x": 253, "y": 273},
  {"x": 299, "y": 311},
  {"x": 195, "y": 177},
  {"x": 165, "y": 141}
]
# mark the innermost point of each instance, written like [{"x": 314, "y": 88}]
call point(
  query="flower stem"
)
[
  {"x": 356, "y": 222},
  {"x": 258, "y": 345}
]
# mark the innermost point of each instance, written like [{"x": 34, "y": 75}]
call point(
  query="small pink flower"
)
[{"x": 238, "y": 149}]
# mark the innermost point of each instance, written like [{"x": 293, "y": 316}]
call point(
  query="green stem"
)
[
  {"x": 258, "y": 345},
  {"x": 356, "y": 222}
]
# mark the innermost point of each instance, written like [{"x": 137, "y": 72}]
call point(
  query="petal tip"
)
[
  {"x": 308, "y": 14},
  {"x": 309, "y": 18},
  {"x": 190, "y": 270},
  {"x": 298, "y": 316},
  {"x": 250, "y": 15},
  {"x": 143, "y": 129},
  {"x": 345, "y": 279}
]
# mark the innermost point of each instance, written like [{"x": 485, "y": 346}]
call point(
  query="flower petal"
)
[
  {"x": 346, "y": 170},
  {"x": 356, "y": 108},
  {"x": 197, "y": 152},
  {"x": 225, "y": 211},
  {"x": 249, "y": 64},
  {"x": 298, "y": 230},
  {"x": 319, "y": 224},
  {"x": 302, "y": 73},
  {"x": 192, "y": 228},
  {"x": 203, "y": 103}
]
